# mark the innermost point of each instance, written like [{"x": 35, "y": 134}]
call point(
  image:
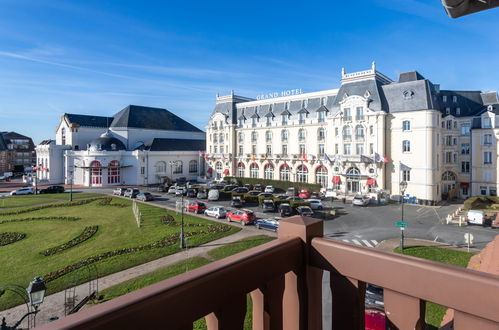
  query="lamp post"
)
[
  {"x": 182, "y": 236},
  {"x": 403, "y": 187},
  {"x": 33, "y": 296},
  {"x": 70, "y": 186}
]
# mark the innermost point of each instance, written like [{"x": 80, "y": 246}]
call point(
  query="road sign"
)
[
  {"x": 468, "y": 238},
  {"x": 400, "y": 224}
]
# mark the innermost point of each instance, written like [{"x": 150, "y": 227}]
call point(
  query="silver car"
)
[
  {"x": 216, "y": 211},
  {"x": 22, "y": 191},
  {"x": 360, "y": 200}
]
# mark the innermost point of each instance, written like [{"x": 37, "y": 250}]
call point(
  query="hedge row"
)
[
  {"x": 10, "y": 237},
  {"x": 283, "y": 185},
  {"x": 164, "y": 242},
  {"x": 86, "y": 234},
  {"x": 106, "y": 201},
  {"x": 41, "y": 218},
  {"x": 46, "y": 206},
  {"x": 247, "y": 198},
  {"x": 170, "y": 221}
]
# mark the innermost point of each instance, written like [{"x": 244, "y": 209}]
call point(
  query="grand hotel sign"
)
[{"x": 288, "y": 92}]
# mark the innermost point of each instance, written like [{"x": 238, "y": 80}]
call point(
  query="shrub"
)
[
  {"x": 86, "y": 234},
  {"x": 10, "y": 237}
]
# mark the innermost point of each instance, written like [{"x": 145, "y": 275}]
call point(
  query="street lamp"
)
[
  {"x": 33, "y": 296},
  {"x": 71, "y": 186},
  {"x": 182, "y": 236},
  {"x": 403, "y": 187}
]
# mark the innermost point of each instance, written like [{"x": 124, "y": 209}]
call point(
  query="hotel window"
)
[
  {"x": 359, "y": 132},
  {"x": 465, "y": 149},
  {"x": 193, "y": 166},
  {"x": 321, "y": 115},
  {"x": 336, "y": 148},
  {"x": 487, "y": 139},
  {"x": 240, "y": 137},
  {"x": 455, "y": 124},
  {"x": 302, "y": 174},
  {"x": 406, "y": 146},
  {"x": 336, "y": 131},
  {"x": 359, "y": 149},
  {"x": 63, "y": 135},
  {"x": 216, "y": 149},
  {"x": 359, "y": 113},
  {"x": 301, "y": 134},
  {"x": 371, "y": 130},
  {"x": 483, "y": 190},
  {"x": 448, "y": 157},
  {"x": 406, "y": 175},
  {"x": 254, "y": 136},
  {"x": 254, "y": 171},
  {"x": 458, "y": 111},
  {"x": 221, "y": 125},
  {"x": 253, "y": 149},
  {"x": 269, "y": 149},
  {"x": 347, "y": 133},
  {"x": 321, "y": 149},
  {"x": 454, "y": 98},
  {"x": 406, "y": 125},
  {"x": 465, "y": 129},
  {"x": 254, "y": 120},
  {"x": 449, "y": 124},
  {"x": 221, "y": 138},
  {"x": 454, "y": 157},
  {"x": 241, "y": 150},
  {"x": 284, "y": 119},
  {"x": 215, "y": 138},
  {"x": 268, "y": 172},
  {"x": 284, "y": 149},
  {"x": 347, "y": 116},
  {"x": 347, "y": 149},
  {"x": 487, "y": 157},
  {"x": 443, "y": 124},
  {"x": 210, "y": 149},
  {"x": 241, "y": 122},
  {"x": 302, "y": 148},
  {"x": 268, "y": 136},
  {"x": 240, "y": 170},
  {"x": 487, "y": 123},
  {"x": 465, "y": 167},
  {"x": 302, "y": 118},
  {"x": 444, "y": 98},
  {"x": 269, "y": 121},
  {"x": 284, "y": 135},
  {"x": 371, "y": 148},
  {"x": 284, "y": 173},
  {"x": 178, "y": 167},
  {"x": 321, "y": 134}
]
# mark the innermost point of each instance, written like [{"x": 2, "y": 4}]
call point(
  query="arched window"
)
[
  {"x": 302, "y": 134},
  {"x": 285, "y": 173},
  {"x": 353, "y": 172},
  {"x": 359, "y": 132},
  {"x": 284, "y": 135},
  {"x": 347, "y": 132},
  {"x": 448, "y": 176},
  {"x": 160, "y": 167},
  {"x": 254, "y": 170},
  {"x": 268, "y": 172},
  {"x": 96, "y": 173},
  {"x": 193, "y": 166},
  {"x": 302, "y": 174},
  {"x": 218, "y": 169},
  {"x": 240, "y": 170},
  {"x": 321, "y": 134},
  {"x": 178, "y": 167},
  {"x": 63, "y": 136},
  {"x": 113, "y": 172},
  {"x": 321, "y": 176},
  {"x": 268, "y": 136}
]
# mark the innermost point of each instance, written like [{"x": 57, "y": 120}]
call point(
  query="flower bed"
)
[
  {"x": 41, "y": 218},
  {"x": 164, "y": 242},
  {"x": 106, "y": 201},
  {"x": 86, "y": 234},
  {"x": 170, "y": 221},
  {"x": 10, "y": 237}
]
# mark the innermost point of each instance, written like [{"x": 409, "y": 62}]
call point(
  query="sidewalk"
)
[
  {"x": 53, "y": 305},
  {"x": 390, "y": 244}
]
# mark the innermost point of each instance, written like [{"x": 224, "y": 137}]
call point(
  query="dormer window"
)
[
  {"x": 305, "y": 103},
  {"x": 444, "y": 98},
  {"x": 454, "y": 98},
  {"x": 113, "y": 146},
  {"x": 254, "y": 120},
  {"x": 487, "y": 123},
  {"x": 447, "y": 111},
  {"x": 302, "y": 118},
  {"x": 323, "y": 101},
  {"x": 458, "y": 111},
  {"x": 284, "y": 118},
  {"x": 321, "y": 116}
]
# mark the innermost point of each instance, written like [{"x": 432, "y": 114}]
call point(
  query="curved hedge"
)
[
  {"x": 164, "y": 242},
  {"x": 10, "y": 237},
  {"x": 86, "y": 234},
  {"x": 41, "y": 218}
]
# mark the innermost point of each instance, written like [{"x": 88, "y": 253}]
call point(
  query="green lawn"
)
[
  {"x": 183, "y": 266},
  {"x": 117, "y": 235},
  {"x": 435, "y": 312},
  {"x": 31, "y": 200}
]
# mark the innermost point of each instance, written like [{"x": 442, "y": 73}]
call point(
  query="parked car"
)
[
  {"x": 119, "y": 191},
  {"x": 191, "y": 193},
  {"x": 145, "y": 196},
  {"x": 258, "y": 187},
  {"x": 315, "y": 204},
  {"x": 196, "y": 207},
  {"x": 265, "y": 194},
  {"x": 291, "y": 192},
  {"x": 248, "y": 186},
  {"x": 329, "y": 193},
  {"x": 245, "y": 217},
  {"x": 162, "y": 188},
  {"x": 229, "y": 187},
  {"x": 374, "y": 319},
  {"x": 23, "y": 191},
  {"x": 305, "y": 211},
  {"x": 317, "y": 195},
  {"x": 254, "y": 192},
  {"x": 269, "y": 189},
  {"x": 241, "y": 190},
  {"x": 131, "y": 192},
  {"x": 172, "y": 190},
  {"x": 52, "y": 190},
  {"x": 218, "y": 186},
  {"x": 216, "y": 211},
  {"x": 304, "y": 194},
  {"x": 285, "y": 210},
  {"x": 180, "y": 191},
  {"x": 213, "y": 195},
  {"x": 268, "y": 224},
  {"x": 475, "y": 217},
  {"x": 361, "y": 200},
  {"x": 268, "y": 205},
  {"x": 284, "y": 197},
  {"x": 374, "y": 296},
  {"x": 237, "y": 201},
  {"x": 202, "y": 194}
]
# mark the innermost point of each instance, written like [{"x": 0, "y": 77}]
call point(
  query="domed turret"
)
[{"x": 106, "y": 142}]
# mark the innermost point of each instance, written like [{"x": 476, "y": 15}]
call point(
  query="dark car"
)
[
  {"x": 237, "y": 202},
  {"x": 268, "y": 224},
  {"x": 374, "y": 296},
  {"x": 248, "y": 186},
  {"x": 305, "y": 211},
  {"x": 191, "y": 193},
  {"x": 229, "y": 187},
  {"x": 145, "y": 196},
  {"x": 265, "y": 194},
  {"x": 268, "y": 206},
  {"x": 218, "y": 187},
  {"x": 254, "y": 193},
  {"x": 285, "y": 210},
  {"x": 258, "y": 187},
  {"x": 241, "y": 190},
  {"x": 52, "y": 190}
]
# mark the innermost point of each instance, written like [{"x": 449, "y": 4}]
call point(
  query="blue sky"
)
[{"x": 96, "y": 57}]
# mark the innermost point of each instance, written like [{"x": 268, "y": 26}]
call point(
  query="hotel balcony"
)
[{"x": 284, "y": 279}]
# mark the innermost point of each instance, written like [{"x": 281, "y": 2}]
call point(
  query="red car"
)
[
  {"x": 245, "y": 217},
  {"x": 304, "y": 194},
  {"x": 375, "y": 320},
  {"x": 196, "y": 207}
]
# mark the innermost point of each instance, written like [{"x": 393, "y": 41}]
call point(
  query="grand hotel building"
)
[{"x": 368, "y": 135}]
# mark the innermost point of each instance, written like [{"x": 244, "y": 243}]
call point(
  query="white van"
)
[
  {"x": 475, "y": 217},
  {"x": 213, "y": 195}
]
